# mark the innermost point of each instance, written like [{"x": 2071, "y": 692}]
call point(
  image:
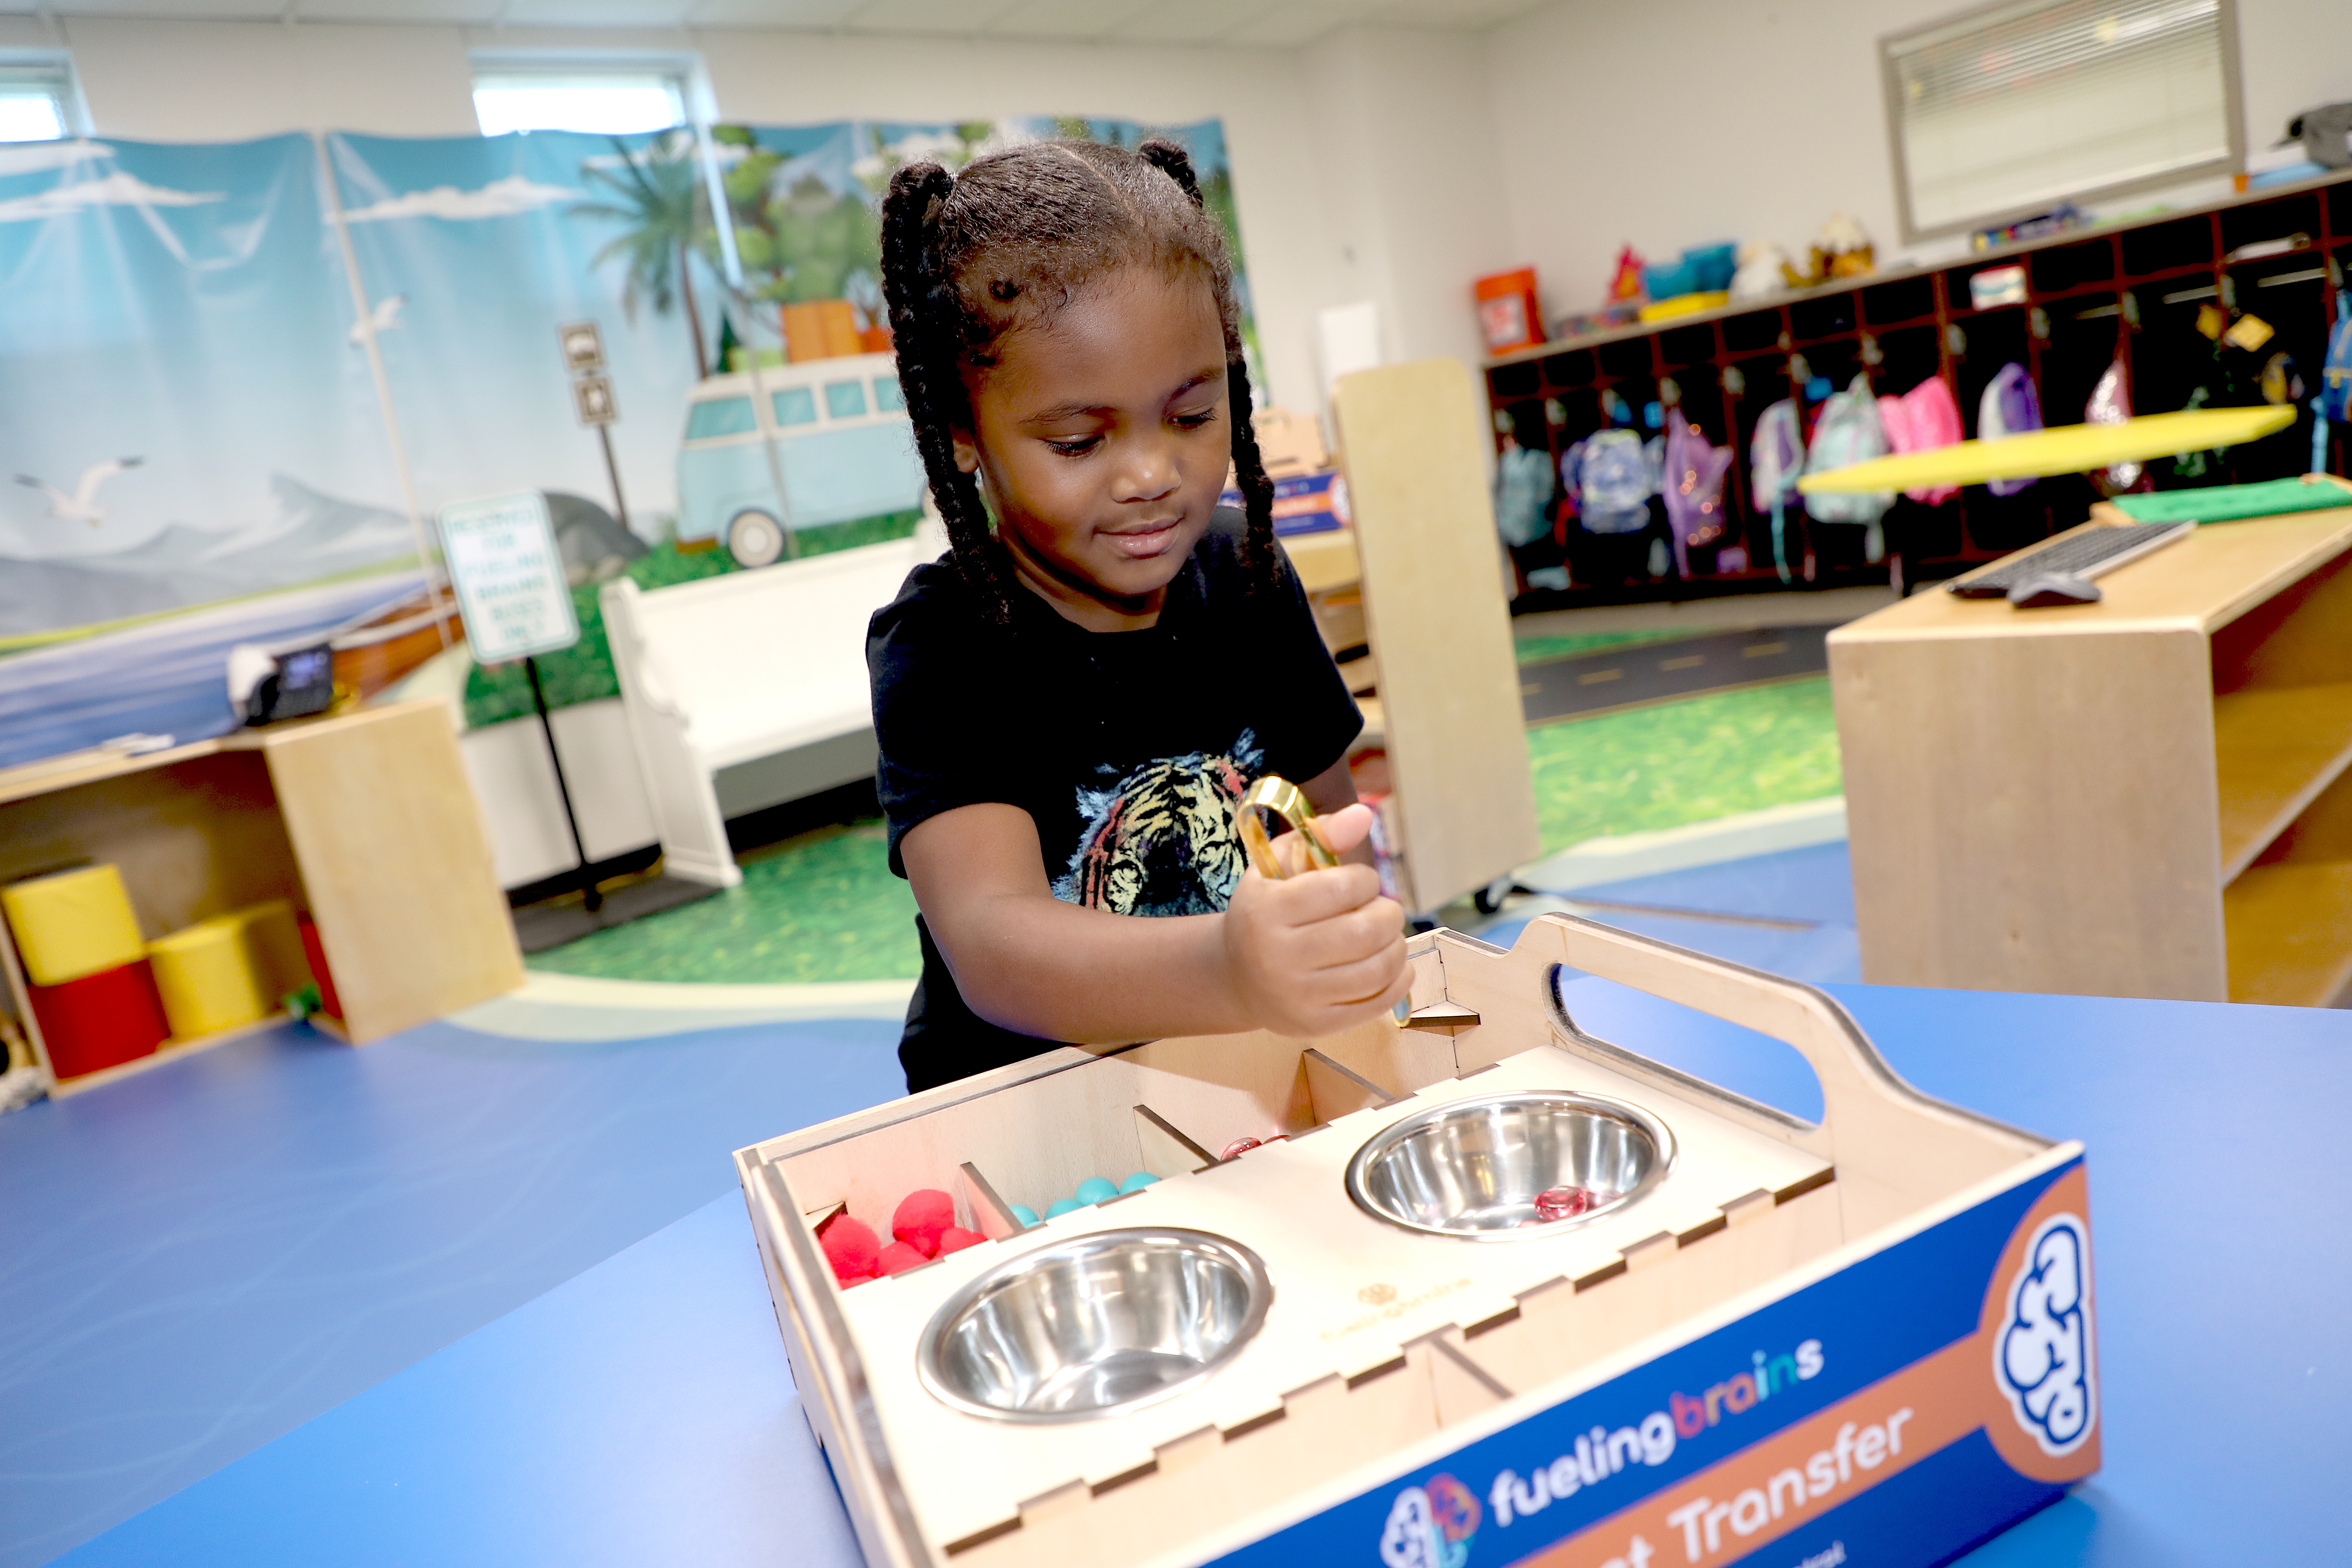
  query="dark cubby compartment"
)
[
  {"x": 1908, "y": 356},
  {"x": 1687, "y": 345},
  {"x": 1625, "y": 357},
  {"x": 2084, "y": 335},
  {"x": 1571, "y": 368},
  {"x": 2066, "y": 266},
  {"x": 1905, "y": 300},
  {"x": 2281, "y": 219},
  {"x": 1507, "y": 380},
  {"x": 1823, "y": 316},
  {"x": 1756, "y": 329},
  {"x": 2183, "y": 242}
]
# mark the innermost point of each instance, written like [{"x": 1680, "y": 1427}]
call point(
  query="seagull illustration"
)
[
  {"x": 82, "y": 505},
  {"x": 385, "y": 316}
]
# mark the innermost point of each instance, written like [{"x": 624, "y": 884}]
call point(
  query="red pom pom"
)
[
  {"x": 922, "y": 1216},
  {"x": 898, "y": 1258},
  {"x": 850, "y": 1246},
  {"x": 955, "y": 1238},
  {"x": 857, "y": 1279}
]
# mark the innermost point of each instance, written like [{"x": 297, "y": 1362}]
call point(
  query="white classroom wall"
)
[{"x": 1679, "y": 122}]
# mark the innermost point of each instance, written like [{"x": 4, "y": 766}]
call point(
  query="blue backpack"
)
[{"x": 1613, "y": 483}]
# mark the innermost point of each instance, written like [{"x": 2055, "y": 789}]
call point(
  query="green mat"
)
[{"x": 2227, "y": 503}]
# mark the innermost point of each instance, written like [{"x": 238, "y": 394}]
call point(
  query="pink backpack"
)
[{"x": 1921, "y": 420}]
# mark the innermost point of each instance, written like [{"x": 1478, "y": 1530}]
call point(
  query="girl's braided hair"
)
[{"x": 967, "y": 258}]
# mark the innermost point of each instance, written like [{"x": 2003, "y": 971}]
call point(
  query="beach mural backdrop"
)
[{"x": 195, "y": 449}]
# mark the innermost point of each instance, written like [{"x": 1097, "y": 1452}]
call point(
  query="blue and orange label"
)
[{"x": 1904, "y": 1406}]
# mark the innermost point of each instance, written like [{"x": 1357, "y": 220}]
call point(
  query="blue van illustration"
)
[{"x": 841, "y": 439}]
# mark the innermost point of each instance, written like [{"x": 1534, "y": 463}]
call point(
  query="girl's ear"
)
[{"x": 967, "y": 449}]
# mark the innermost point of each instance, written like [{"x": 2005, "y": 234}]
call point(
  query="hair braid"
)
[
  {"x": 925, "y": 327},
  {"x": 1249, "y": 465}
]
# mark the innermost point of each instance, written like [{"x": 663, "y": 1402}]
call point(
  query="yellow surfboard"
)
[{"x": 2061, "y": 449}]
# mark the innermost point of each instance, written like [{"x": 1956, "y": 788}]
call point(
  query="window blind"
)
[{"x": 2011, "y": 111}]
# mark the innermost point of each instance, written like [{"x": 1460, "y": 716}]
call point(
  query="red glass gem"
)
[
  {"x": 1562, "y": 1203},
  {"x": 1241, "y": 1146}
]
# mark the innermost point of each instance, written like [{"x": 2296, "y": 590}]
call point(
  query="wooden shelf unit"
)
[
  {"x": 2127, "y": 290},
  {"x": 2146, "y": 796},
  {"x": 365, "y": 821}
]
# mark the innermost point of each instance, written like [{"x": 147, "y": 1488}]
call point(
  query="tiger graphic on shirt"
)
[{"x": 1160, "y": 839}]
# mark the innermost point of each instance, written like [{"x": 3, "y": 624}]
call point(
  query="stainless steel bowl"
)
[
  {"x": 1474, "y": 1168},
  {"x": 1096, "y": 1326}
]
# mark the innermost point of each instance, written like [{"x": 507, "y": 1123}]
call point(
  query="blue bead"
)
[
  {"x": 1060, "y": 1206},
  {"x": 1025, "y": 1215},
  {"x": 1137, "y": 1182},
  {"x": 1094, "y": 1189}
]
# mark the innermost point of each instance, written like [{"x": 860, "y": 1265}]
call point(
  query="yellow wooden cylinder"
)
[
  {"x": 72, "y": 923},
  {"x": 205, "y": 974}
]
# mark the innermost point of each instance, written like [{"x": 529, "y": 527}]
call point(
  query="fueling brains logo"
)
[
  {"x": 2042, "y": 1356},
  {"x": 1430, "y": 1526}
]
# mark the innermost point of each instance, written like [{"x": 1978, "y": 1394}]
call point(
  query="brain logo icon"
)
[
  {"x": 2041, "y": 1357},
  {"x": 1431, "y": 1527},
  {"x": 1453, "y": 1506}
]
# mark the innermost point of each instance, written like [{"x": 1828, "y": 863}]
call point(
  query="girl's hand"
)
[{"x": 1319, "y": 951}]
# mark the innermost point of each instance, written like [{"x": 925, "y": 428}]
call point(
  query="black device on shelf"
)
[{"x": 2084, "y": 555}]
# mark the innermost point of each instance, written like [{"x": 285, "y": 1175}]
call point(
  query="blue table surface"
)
[{"x": 643, "y": 1412}]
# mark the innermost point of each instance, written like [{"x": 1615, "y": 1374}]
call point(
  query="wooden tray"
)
[{"x": 1383, "y": 1346}]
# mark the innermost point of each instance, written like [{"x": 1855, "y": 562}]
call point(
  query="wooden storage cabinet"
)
[
  {"x": 365, "y": 822},
  {"x": 2146, "y": 796}
]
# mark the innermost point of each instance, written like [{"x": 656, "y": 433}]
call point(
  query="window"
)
[
  {"x": 795, "y": 406},
  {"x": 844, "y": 399},
  {"x": 719, "y": 417},
  {"x": 609, "y": 99},
  {"x": 889, "y": 398},
  {"x": 36, "y": 100},
  {"x": 2009, "y": 112}
]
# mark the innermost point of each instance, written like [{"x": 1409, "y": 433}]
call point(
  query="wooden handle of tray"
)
[{"x": 1863, "y": 1102}]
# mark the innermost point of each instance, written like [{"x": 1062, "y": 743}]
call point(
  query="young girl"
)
[{"x": 1072, "y": 701}]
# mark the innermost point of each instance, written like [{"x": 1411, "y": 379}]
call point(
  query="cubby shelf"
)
[
  {"x": 2275, "y": 751},
  {"x": 2124, "y": 291},
  {"x": 2289, "y": 933}
]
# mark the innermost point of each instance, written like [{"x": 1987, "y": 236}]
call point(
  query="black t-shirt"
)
[{"x": 1129, "y": 749}]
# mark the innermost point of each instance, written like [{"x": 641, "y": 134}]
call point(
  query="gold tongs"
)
[{"x": 1282, "y": 798}]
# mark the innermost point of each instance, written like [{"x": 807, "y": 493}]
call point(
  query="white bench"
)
[{"x": 758, "y": 676}]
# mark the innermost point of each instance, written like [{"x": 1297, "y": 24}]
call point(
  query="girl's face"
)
[{"x": 1101, "y": 435}]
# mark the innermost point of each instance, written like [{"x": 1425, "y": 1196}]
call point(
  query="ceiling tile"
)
[
  {"x": 173, "y": 10},
  {"x": 1190, "y": 21},
  {"x": 1067, "y": 19},
  {"x": 1281, "y": 26},
  {"x": 771, "y": 13},
  {"x": 592, "y": 13},
  {"x": 938, "y": 18},
  {"x": 470, "y": 12}
]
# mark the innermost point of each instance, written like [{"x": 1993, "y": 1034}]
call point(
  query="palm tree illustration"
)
[{"x": 657, "y": 194}]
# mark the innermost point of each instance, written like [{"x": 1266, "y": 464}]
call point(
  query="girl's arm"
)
[{"x": 1305, "y": 956}]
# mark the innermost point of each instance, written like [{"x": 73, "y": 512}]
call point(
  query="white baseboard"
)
[
  {"x": 580, "y": 1007},
  {"x": 1616, "y": 857}
]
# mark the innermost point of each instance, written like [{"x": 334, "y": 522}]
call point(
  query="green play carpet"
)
[{"x": 824, "y": 906}]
